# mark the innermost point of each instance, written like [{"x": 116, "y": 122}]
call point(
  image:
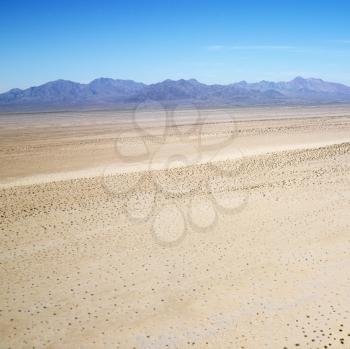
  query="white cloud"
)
[
  {"x": 248, "y": 47},
  {"x": 342, "y": 41},
  {"x": 215, "y": 47}
]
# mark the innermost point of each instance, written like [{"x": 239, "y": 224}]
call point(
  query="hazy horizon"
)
[{"x": 155, "y": 82}]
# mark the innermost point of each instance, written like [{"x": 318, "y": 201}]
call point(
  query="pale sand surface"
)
[{"x": 247, "y": 246}]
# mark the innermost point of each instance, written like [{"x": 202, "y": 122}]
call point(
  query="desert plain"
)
[{"x": 185, "y": 228}]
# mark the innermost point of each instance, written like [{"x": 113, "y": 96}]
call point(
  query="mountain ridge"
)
[{"x": 113, "y": 93}]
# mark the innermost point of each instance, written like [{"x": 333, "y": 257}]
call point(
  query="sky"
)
[{"x": 212, "y": 41}]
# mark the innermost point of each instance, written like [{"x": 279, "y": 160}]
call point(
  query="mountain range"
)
[{"x": 107, "y": 93}]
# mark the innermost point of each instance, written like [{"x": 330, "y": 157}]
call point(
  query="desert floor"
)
[{"x": 176, "y": 229}]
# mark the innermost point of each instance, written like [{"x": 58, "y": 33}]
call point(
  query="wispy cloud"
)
[
  {"x": 248, "y": 47},
  {"x": 342, "y": 41}
]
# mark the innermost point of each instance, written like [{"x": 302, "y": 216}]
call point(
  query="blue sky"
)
[{"x": 212, "y": 41}]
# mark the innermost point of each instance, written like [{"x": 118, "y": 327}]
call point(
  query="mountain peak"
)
[
  {"x": 298, "y": 79},
  {"x": 101, "y": 79},
  {"x": 180, "y": 81},
  {"x": 61, "y": 81}
]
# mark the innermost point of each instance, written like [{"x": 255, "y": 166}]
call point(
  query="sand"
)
[{"x": 220, "y": 229}]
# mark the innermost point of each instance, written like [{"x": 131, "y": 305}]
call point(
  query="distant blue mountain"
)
[{"x": 114, "y": 93}]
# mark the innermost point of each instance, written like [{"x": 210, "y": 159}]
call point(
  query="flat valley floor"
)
[{"x": 180, "y": 229}]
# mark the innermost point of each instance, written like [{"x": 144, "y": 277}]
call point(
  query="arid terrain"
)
[{"x": 222, "y": 228}]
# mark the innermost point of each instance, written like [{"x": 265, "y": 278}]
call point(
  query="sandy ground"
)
[{"x": 211, "y": 229}]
